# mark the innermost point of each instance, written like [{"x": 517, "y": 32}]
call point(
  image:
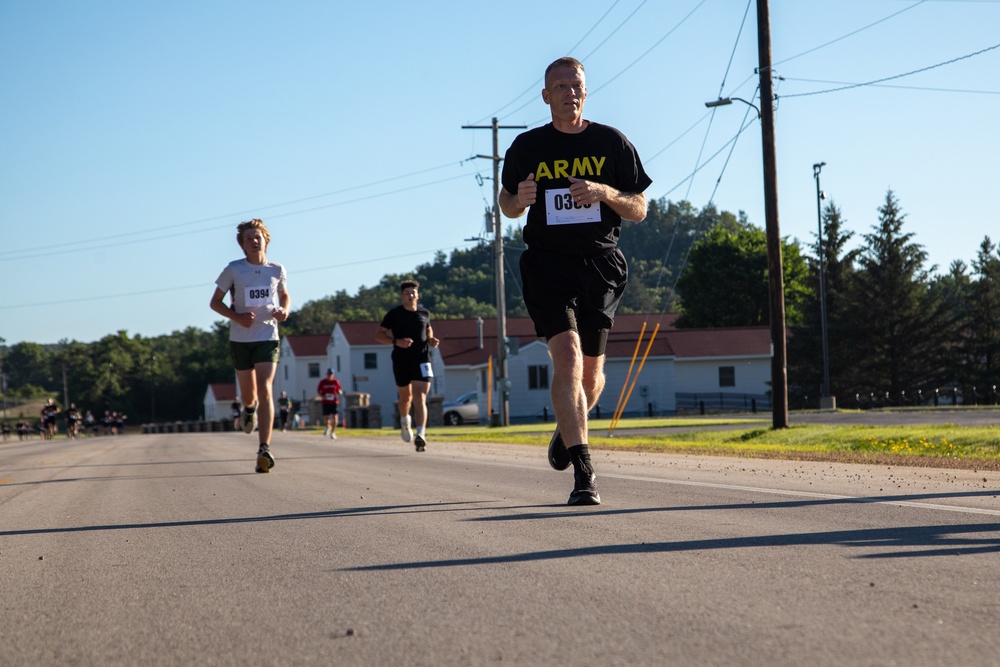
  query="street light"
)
[
  {"x": 726, "y": 101},
  {"x": 826, "y": 401}
]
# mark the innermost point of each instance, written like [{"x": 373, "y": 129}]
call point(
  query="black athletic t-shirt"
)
[
  {"x": 600, "y": 154},
  {"x": 413, "y": 324}
]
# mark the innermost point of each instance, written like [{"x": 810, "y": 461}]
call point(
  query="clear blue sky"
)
[{"x": 134, "y": 136}]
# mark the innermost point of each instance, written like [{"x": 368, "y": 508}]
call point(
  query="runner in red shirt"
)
[{"x": 329, "y": 390}]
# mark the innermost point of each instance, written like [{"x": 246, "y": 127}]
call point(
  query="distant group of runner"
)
[
  {"x": 77, "y": 423},
  {"x": 576, "y": 180}
]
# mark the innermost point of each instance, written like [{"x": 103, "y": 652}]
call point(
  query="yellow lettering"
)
[
  {"x": 582, "y": 167},
  {"x": 542, "y": 171}
]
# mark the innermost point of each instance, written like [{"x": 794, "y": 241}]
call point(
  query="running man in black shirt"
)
[
  {"x": 577, "y": 180},
  {"x": 408, "y": 329}
]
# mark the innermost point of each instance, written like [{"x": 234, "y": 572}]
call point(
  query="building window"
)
[
  {"x": 338, "y": 363},
  {"x": 314, "y": 369},
  {"x": 538, "y": 377},
  {"x": 727, "y": 376},
  {"x": 371, "y": 360},
  {"x": 286, "y": 372}
]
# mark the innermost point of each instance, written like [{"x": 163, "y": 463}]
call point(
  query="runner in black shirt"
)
[
  {"x": 576, "y": 180},
  {"x": 408, "y": 329}
]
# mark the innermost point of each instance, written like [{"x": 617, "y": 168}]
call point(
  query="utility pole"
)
[
  {"x": 3, "y": 376},
  {"x": 775, "y": 274},
  {"x": 826, "y": 401},
  {"x": 503, "y": 382},
  {"x": 65, "y": 386},
  {"x": 152, "y": 387}
]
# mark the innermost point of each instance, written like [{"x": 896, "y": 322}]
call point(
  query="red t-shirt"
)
[{"x": 329, "y": 390}]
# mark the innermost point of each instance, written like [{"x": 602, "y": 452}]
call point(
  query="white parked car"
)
[{"x": 463, "y": 409}]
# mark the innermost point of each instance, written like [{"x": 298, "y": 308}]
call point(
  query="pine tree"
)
[
  {"x": 897, "y": 321},
  {"x": 805, "y": 362},
  {"x": 984, "y": 324}
]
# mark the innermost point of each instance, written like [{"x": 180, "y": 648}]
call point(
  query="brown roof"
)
[
  {"x": 460, "y": 338},
  {"x": 308, "y": 346},
  {"x": 734, "y": 341},
  {"x": 223, "y": 392}
]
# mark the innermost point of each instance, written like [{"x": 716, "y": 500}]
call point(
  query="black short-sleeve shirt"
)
[
  {"x": 413, "y": 324},
  {"x": 599, "y": 154}
]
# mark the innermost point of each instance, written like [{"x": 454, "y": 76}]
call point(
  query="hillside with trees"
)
[{"x": 897, "y": 331}]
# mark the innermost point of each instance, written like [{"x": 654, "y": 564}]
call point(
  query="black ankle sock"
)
[
  {"x": 579, "y": 454},
  {"x": 252, "y": 410}
]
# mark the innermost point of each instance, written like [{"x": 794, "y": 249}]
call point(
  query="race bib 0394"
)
[{"x": 259, "y": 296}]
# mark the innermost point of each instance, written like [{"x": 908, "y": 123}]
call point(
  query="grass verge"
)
[{"x": 934, "y": 445}]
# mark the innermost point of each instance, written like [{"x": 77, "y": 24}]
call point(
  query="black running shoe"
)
[
  {"x": 264, "y": 460},
  {"x": 248, "y": 420},
  {"x": 558, "y": 456},
  {"x": 419, "y": 442},
  {"x": 584, "y": 491}
]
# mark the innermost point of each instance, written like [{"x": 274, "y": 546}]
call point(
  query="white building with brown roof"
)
[
  {"x": 682, "y": 369},
  {"x": 302, "y": 365},
  {"x": 218, "y": 401}
]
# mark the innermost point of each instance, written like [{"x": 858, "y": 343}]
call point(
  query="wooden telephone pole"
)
[
  {"x": 775, "y": 272},
  {"x": 503, "y": 382}
]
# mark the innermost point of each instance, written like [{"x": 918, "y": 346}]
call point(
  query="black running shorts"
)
[
  {"x": 408, "y": 369},
  {"x": 574, "y": 293}
]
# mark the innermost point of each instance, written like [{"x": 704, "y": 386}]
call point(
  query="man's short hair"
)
[
  {"x": 565, "y": 61},
  {"x": 406, "y": 284}
]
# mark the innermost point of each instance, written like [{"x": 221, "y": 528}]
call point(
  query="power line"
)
[
  {"x": 534, "y": 86},
  {"x": 897, "y": 76},
  {"x": 876, "y": 85},
  {"x": 89, "y": 244},
  {"x": 76, "y": 244},
  {"x": 854, "y": 32},
  {"x": 592, "y": 52},
  {"x": 202, "y": 285},
  {"x": 834, "y": 41},
  {"x": 647, "y": 51},
  {"x": 708, "y": 130}
]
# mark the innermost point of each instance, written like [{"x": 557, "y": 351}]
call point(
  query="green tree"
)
[
  {"x": 955, "y": 292},
  {"x": 898, "y": 323},
  {"x": 805, "y": 341},
  {"x": 657, "y": 248},
  {"x": 30, "y": 364},
  {"x": 983, "y": 338},
  {"x": 725, "y": 281}
]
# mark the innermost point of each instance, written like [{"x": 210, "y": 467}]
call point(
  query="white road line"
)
[{"x": 810, "y": 494}]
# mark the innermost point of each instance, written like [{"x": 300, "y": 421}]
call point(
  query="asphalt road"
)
[{"x": 169, "y": 550}]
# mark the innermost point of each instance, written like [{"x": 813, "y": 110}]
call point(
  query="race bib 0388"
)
[{"x": 560, "y": 209}]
